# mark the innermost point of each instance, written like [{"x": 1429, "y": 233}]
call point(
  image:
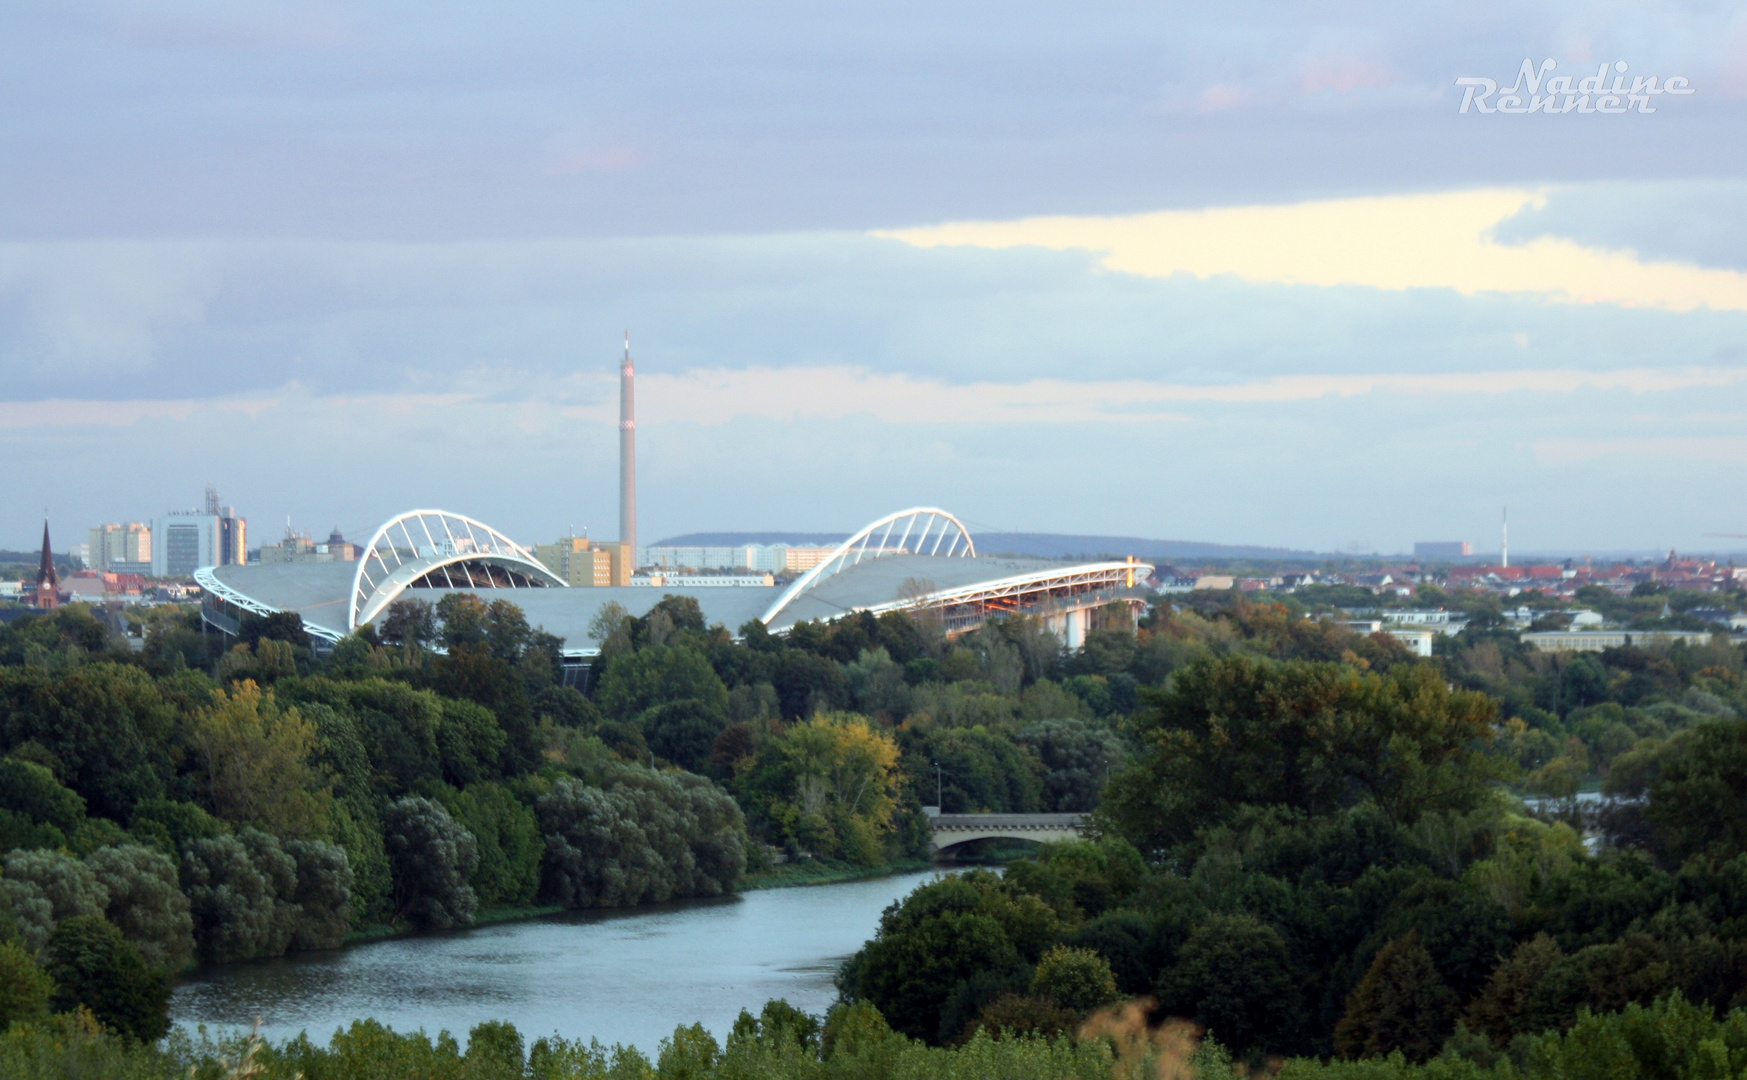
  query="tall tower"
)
[
  {"x": 48, "y": 583},
  {"x": 627, "y": 458},
  {"x": 1504, "y": 540}
]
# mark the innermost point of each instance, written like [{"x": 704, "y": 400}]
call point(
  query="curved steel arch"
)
[
  {"x": 927, "y": 541},
  {"x": 431, "y": 540}
]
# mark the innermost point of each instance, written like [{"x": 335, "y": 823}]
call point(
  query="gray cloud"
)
[
  {"x": 1695, "y": 221},
  {"x": 448, "y": 121},
  {"x": 127, "y": 319}
]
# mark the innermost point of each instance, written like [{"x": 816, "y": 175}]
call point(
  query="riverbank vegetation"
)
[{"x": 1306, "y": 841}]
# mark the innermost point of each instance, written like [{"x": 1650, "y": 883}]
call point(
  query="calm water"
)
[{"x": 626, "y": 977}]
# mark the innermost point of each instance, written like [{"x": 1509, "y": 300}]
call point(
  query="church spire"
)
[{"x": 48, "y": 583}]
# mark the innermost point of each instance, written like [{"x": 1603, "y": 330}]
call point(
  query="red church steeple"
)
[{"x": 48, "y": 583}]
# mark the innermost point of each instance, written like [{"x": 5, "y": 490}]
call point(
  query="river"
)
[{"x": 619, "y": 976}]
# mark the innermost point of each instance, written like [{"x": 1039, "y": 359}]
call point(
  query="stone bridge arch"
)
[{"x": 951, "y": 830}]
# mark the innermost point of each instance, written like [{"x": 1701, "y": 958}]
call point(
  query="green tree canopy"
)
[
  {"x": 1304, "y": 735},
  {"x": 656, "y": 675}
]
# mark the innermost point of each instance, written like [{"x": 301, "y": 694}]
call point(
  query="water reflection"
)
[{"x": 619, "y": 977}]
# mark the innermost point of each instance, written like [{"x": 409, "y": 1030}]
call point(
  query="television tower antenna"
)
[
  {"x": 1504, "y": 541},
  {"x": 628, "y": 457}
]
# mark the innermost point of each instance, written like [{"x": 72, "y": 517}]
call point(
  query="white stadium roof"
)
[{"x": 920, "y": 558}]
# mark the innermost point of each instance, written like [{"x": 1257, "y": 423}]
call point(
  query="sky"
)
[{"x": 1237, "y": 273}]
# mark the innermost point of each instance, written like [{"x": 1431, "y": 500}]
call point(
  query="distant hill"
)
[
  {"x": 1038, "y": 545},
  {"x": 1064, "y": 546},
  {"x": 733, "y": 539}
]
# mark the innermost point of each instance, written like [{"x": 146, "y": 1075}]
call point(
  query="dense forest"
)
[{"x": 1308, "y": 844}]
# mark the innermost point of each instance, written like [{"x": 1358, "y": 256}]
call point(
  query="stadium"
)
[{"x": 919, "y": 560}]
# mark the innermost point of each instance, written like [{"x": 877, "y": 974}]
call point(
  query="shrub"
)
[
  {"x": 238, "y": 892},
  {"x": 431, "y": 857},
  {"x": 94, "y": 966},
  {"x": 1078, "y": 980},
  {"x": 25, "y": 988},
  {"x": 146, "y": 902},
  {"x": 323, "y": 894},
  {"x": 1234, "y": 977},
  {"x": 1402, "y": 1004},
  {"x": 45, "y": 887},
  {"x": 641, "y": 837}
]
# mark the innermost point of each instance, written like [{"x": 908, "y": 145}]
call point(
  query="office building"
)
[{"x": 185, "y": 541}]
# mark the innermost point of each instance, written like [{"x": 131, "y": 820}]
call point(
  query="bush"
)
[
  {"x": 239, "y": 892},
  {"x": 1235, "y": 978},
  {"x": 1078, "y": 980},
  {"x": 45, "y": 887},
  {"x": 94, "y": 966},
  {"x": 1402, "y": 1004},
  {"x": 323, "y": 894},
  {"x": 146, "y": 902},
  {"x": 32, "y": 791},
  {"x": 431, "y": 857},
  {"x": 642, "y": 837},
  {"x": 25, "y": 988},
  {"x": 509, "y": 842}
]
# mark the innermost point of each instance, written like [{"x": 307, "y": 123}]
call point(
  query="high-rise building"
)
[
  {"x": 580, "y": 563},
  {"x": 183, "y": 542},
  {"x": 233, "y": 531},
  {"x": 122, "y": 546}
]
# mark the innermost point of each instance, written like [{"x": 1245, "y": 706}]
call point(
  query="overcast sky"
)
[{"x": 1234, "y": 273}]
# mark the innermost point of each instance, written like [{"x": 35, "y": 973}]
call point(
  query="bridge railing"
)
[{"x": 951, "y": 822}]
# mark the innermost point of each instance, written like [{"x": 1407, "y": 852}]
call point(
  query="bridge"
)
[{"x": 953, "y": 829}]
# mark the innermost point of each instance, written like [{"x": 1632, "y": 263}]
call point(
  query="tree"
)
[
  {"x": 432, "y": 857},
  {"x": 507, "y": 633},
  {"x": 29, "y": 789},
  {"x": 656, "y": 675},
  {"x": 109, "y": 726},
  {"x": 25, "y": 989},
  {"x": 509, "y": 842},
  {"x": 1076, "y": 979},
  {"x": 1078, "y": 757},
  {"x": 470, "y": 743},
  {"x": 1309, "y": 736},
  {"x": 1506, "y": 1006},
  {"x": 409, "y": 623},
  {"x": 146, "y": 902},
  {"x": 1123, "y": 938},
  {"x": 323, "y": 894},
  {"x": 641, "y": 837},
  {"x": 683, "y": 732},
  {"x": 807, "y": 683},
  {"x": 465, "y": 619},
  {"x": 1402, "y": 1004},
  {"x": 255, "y": 759},
  {"x": 981, "y": 770},
  {"x": 240, "y": 889},
  {"x": 1235, "y": 977},
  {"x": 94, "y": 966},
  {"x": 947, "y": 950},
  {"x": 281, "y": 626},
  {"x": 830, "y": 785},
  {"x": 46, "y": 888},
  {"x": 1698, "y": 801}
]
